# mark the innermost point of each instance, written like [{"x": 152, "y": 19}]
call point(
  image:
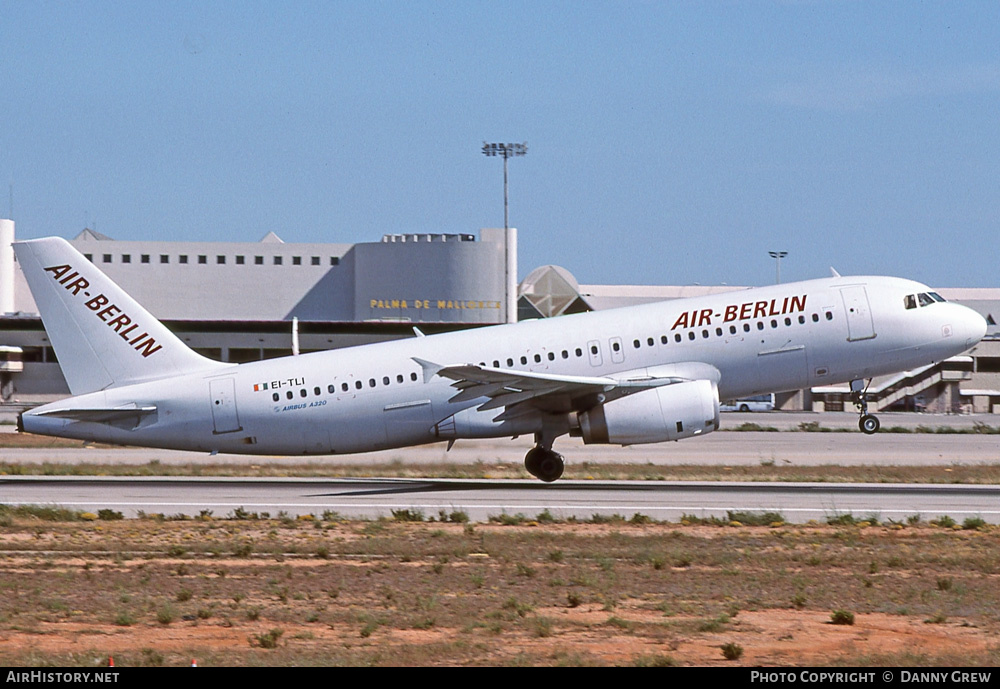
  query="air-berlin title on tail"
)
[{"x": 109, "y": 313}]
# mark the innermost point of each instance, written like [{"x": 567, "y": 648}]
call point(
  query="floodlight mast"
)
[
  {"x": 777, "y": 256},
  {"x": 507, "y": 151}
]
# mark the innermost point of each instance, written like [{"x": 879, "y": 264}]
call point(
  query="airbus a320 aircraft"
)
[{"x": 641, "y": 374}]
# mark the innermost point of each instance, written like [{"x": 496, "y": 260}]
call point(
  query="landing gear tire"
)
[
  {"x": 543, "y": 464},
  {"x": 869, "y": 424}
]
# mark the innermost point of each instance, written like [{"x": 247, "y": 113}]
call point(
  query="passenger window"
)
[
  {"x": 677, "y": 337},
  {"x": 413, "y": 377},
  {"x": 289, "y": 394},
  {"x": 788, "y": 321},
  {"x": 691, "y": 335},
  {"x": 802, "y": 320},
  {"x": 385, "y": 380},
  {"x": 829, "y": 316},
  {"x": 357, "y": 384},
  {"x": 565, "y": 354},
  {"x": 815, "y": 318},
  {"x": 275, "y": 397},
  {"x": 760, "y": 325},
  {"x": 635, "y": 343},
  {"x": 774, "y": 323},
  {"x": 510, "y": 363},
  {"x": 704, "y": 333},
  {"x": 718, "y": 332},
  {"x": 317, "y": 391},
  {"x": 538, "y": 358},
  {"x": 344, "y": 387},
  {"x": 650, "y": 341},
  {"x": 732, "y": 330},
  {"x": 302, "y": 392},
  {"x": 524, "y": 360},
  {"x": 663, "y": 339},
  {"x": 552, "y": 356},
  {"x": 746, "y": 327},
  {"x": 579, "y": 352},
  {"x": 399, "y": 377}
]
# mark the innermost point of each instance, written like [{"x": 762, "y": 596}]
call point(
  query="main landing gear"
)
[
  {"x": 868, "y": 423},
  {"x": 542, "y": 462}
]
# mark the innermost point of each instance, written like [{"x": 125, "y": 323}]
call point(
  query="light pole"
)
[
  {"x": 507, "y": 151},
  {"x": 777, "y": 256}
]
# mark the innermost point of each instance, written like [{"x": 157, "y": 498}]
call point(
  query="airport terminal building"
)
[{"x": 237, "y": 302}]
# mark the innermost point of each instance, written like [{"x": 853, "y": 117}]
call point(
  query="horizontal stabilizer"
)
[{"x": 122, "y": 417}]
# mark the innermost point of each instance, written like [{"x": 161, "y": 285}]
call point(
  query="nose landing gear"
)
[{"x": 868, "y": 423}]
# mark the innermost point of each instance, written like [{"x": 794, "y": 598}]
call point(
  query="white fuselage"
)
[{"x": 378, "y": 396}]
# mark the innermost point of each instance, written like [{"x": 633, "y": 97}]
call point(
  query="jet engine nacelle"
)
[{"x": 669, "y": 412}]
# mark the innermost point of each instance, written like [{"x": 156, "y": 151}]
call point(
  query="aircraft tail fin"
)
[{"x": 102, "y": 336}]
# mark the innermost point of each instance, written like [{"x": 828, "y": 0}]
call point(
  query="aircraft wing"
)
[{"x": 523, "y": 391}]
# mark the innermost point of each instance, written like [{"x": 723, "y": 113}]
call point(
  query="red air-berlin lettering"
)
[
  {"x": 109, "y": 313},
  {"x": 742, "y": 312}
]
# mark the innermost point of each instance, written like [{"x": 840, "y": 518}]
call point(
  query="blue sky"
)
[{"x": 669, "y": 142}]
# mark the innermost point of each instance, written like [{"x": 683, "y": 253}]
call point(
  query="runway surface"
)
[
  {"x": 482, "y": 499},
  {"x": 717, "y": 449}
]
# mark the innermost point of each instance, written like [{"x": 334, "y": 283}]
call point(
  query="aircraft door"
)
[
  {"x": 225, "y": 416},
  {"x": 617, "y": 351},
  {"x": 594, "y": 351},
  {"x": 859, "y": 315}
]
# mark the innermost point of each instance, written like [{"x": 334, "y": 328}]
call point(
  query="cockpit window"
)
[
  {"x": 936, "y": 297},
  {"x": 910, "y": 301},
  {"x": 924, "y": 299}
]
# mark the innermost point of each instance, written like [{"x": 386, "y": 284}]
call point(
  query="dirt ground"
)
[
  {"x": 769, "y": 638},
  {"x": 386, "y": 593}
]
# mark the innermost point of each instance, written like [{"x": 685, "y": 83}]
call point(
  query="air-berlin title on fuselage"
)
[
  {"x": 746, "y": 311},
  {"x": 109, "y": 313}
]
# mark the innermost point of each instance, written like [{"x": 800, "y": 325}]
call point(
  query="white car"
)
[{"x": 753, "y": 403}]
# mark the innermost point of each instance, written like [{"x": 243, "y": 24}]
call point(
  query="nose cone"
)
[{"x": 969, "y": 326}]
